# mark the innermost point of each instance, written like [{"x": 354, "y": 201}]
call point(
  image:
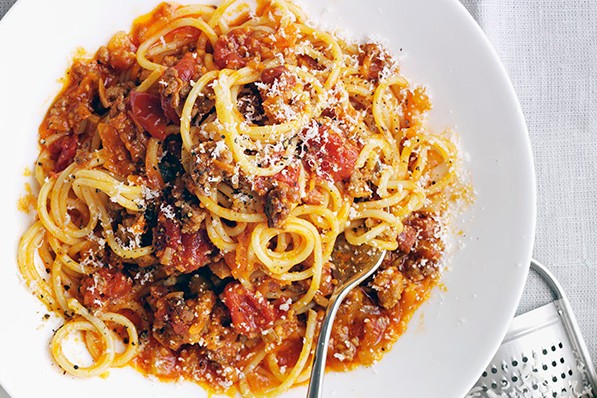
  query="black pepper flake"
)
[
  {"x": 66, "y": 287},
  {"x": 76, "y": 367}
]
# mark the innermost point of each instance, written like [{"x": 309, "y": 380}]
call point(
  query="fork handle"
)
[{"x": 321, "y": 349}]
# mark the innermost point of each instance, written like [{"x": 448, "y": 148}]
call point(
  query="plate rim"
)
[{"x": 14, "y": 12}]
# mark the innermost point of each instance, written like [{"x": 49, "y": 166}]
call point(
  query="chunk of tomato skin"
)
[
  {"x": 186, "y": 67},
  {"x": 251, "y": 313},
  {"x": 146, "y": 110},
  {"x": 334, "y": 154},
  {"x": 63, "y": 151},
  {"x": 190, "y": 251},
  {"x": 195, "y": 252},
  {"x": 105, "y": 285}
]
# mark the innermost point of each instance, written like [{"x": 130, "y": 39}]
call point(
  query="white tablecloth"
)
[{"x": 549, "y": 47}]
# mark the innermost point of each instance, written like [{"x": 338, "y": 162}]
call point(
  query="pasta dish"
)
[{"x": 194, "y": 176}]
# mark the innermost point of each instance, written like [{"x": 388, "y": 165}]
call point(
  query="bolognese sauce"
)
[{"x": 195, "y": 174}]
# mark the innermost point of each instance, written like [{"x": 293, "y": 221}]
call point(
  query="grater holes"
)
[
  {"x": 570, "y": 373},
  {"x": 544, "y": 351},
  {"x": 562, "y": 360},
  {"x": 494, "y": 385},
  {"x": 563, "y": 376},
  {"x": 515, "y": 363},
  {"x": 514, "y": 379},
  {"x": 545, "y": 367},
  {"x": 554, "y": 379},
  {"x": 554, "y": 363},
  {"x": 494, "y": 370},
  {"x": 484, "y": 374},
  {"x": 535, "y": 386},
  {"x": 553, "y": 348},
  {"x": 560, "y": 345}
]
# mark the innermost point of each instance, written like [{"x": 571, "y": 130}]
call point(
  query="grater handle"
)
[{"x": 565, "y": 311}]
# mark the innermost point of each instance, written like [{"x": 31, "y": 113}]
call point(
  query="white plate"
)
[{"x": 450, "y": 339}]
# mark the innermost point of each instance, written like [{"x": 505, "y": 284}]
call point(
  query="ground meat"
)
[
  {"x": 235, "y": 49},
  {"x": 104, "y": 286},
  {"x": 133, "y": 139},
  {"x": 115, "y": 97},
  {"x": 221, "y": 341},
  {"x": 358, "y": 329},
  {"x": 192, "y": 216},
  {"x": 122, "y": 51},
  {"x": 308, "y": 62},
  {"x": 389, "y": 284},
  {"x": 278, "y": 204},
  {"x": 71, "y": 111},
  {"x": 279, "y": 91},
  {"x": 327, "y": 285},
  {"x": 249, "y": 105},
  {"x": 212, "y": 163},
  {"x": 358, "y": 185},
  {"x": 420, "y": 248},
  {"x": 373, "y": 60},
  {"x": 178, "y": 321},
  {"x": 131, "y": 230}
]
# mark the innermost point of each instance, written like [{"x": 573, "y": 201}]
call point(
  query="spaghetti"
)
[{"x": 195, "y": 174}]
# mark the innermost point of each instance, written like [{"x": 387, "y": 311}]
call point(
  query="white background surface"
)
[{"x": 550, "y": 51}]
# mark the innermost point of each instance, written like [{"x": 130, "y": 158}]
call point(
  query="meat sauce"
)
[{"x": 201, "y": 324}]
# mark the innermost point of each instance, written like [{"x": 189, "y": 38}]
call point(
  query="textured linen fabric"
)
[
  {"x": 5, "y": 5},
  {"x": 549, "y": 48}
]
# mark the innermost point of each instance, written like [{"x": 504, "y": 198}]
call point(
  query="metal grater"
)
[{"x": 542, "y": 355}]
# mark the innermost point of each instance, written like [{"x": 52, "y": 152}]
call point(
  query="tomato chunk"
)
[
  {"x": 63, "y": 151},
  {"x": 251, "y": 313},
  {"x": 186, "y": 67},
  {"x": 103, "y": 286},
  {"x": 147, "y": 112},
  {"x": 331, "y": 155},
  {"x": 180, "y": 253},
  {"x": 288, "y": 177}
]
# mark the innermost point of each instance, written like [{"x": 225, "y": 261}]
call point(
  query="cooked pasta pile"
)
[{"x": 195, "y": 175}]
